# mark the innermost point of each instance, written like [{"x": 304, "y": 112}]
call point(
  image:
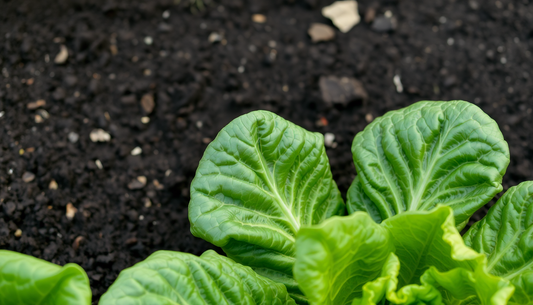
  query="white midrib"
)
[
  {"x": 415, "y": 203},
  {"x": 271, "y": 183}
]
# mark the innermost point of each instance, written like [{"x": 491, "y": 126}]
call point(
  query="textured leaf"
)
[
  {"x": 258, "y": 182},
  {"x": 175, "y": 278},
  {"x": 430, "y": 153},
  {"x": 28, "y": 280},
  {"x": 357, "y": 200},
  {"x": 376, "y": 290},
  {"x": 336, "y": 258},
  {"x": 505, "y": 235},
  {"x": 435, "y": 264}
]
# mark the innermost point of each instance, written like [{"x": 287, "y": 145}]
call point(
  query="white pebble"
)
[
  {"x": 98, "y": 164},
  {"x": 100, "y": 135},
  {"x": 136, "y": 151},
  {"x": 398, "y": 83},
  {"x": 148, "y": 40},
  {"x": 73, "y": 137},
  {"x": 329, "y": 138},
  {"x": 166, "y": 14}
]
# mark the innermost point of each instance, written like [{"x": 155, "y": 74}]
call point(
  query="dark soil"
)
[{"x": 478, "y": 51}]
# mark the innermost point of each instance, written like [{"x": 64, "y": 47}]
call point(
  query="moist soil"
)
[{"x": 124, "y": 55}]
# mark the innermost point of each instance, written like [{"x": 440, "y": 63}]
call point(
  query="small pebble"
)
[
  {"x": 137, "y": 183},
  {"x": 36, "y": 104},
  {"x": 71, "y": 211},
  {"x": 43, "y": 113},
  {"x": 199, "y": 124},
  {"x": 136, "y": 151},
  {"x": 321, "y": 32},
  {"x": 148, "y": 40},
  {"x": 38, "y": 119},
  {"x": 99, "y": 135},
  {"x": 145, "y": 120},
  {"x": 53, "y": 185},
  {"x": 18, "y": 233},
  {"x": 147, "y": 102},
  {"x": 168, "y": 172},
  {"x": 2, "y": 113},
  {"x": 62, "y": 56},
  {"x": 214, "y": 37},
  {"x": 343, "y": 14},
  {"x": 329, "y": 139},
  {"x": 259, "y": 18},
  {"x": 158, "y": 186},
  {"x": 28, "y": 177},
  {"x": 369, "y": 117},
  {"x": 398, "y": 83},
  {"x": 73, "y": 137},
  {"x": 147, "y": 202},
  {"x": 166, "y": 14},
  {"x": 98, "y": 164}
]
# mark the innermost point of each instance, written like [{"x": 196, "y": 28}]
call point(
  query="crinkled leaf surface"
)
[
  {"x": 357, "y": 200},
  {"x": 505, "y": 235},
  {"x": 28, "y": 280},
  {"x": 258, "y": 182},
  {"x": 435, "y": 264},
  {"x": 337, "y": 257},
  {"x": 172, "y": 278},
  {"x": 430, "y": 153}
]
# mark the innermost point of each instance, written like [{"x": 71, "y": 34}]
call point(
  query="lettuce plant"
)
[{"x": 264, "y": 193}]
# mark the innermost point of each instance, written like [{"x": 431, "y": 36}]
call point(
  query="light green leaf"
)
[
  {"x": 376, "y": 290},
  {"x": 335, "y": 259},
  {"x": 175, "y": 278},
  {"x": 258, "y": 182},
  {"x": 430, "y": 153},
  {"x": 28, "y": 280},
  {"x": 435, "y": 264},
  {"x": 505, "y": 235}
]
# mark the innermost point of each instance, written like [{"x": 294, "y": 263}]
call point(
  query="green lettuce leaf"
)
[
  {"x": 429, "y": 153},
  {"x": 175, "y": 278},
  {"x": 28, "y": 280},
  {"x": 505, "y": 235},
  {"x": 336, "y": 258},
  {"x": 258, "y": 182},
  {"x": 435, "y": 264}
]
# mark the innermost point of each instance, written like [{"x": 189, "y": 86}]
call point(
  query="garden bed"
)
[{"x": 122, "y": 55}]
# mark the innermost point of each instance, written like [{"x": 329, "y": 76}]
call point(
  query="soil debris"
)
[
  {"x": 28, "y": 177},
  {"x": 36, "y": 104},
  {"x": 147, "y": 102},
  {"x": 71, "y": 211},
  {"x": 321, "y": 32},
  {"x": 62, "y": 56},
  {"x": 137, "y": 183},
  {"x": 259, "y": 18},
  {"x": 341, "y": 90},
  {"x": 100, "y": 135},
  {"x": 343, "y": 14}
]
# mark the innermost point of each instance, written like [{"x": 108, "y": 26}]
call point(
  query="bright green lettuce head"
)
[{"x": 264, "y": 193}]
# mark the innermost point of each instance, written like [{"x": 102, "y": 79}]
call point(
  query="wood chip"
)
[
  {"x": 147, "y": 102},
  {"x": 18, "y": 233},
  {"x": 71, "y": 211},
  {"x": 36, "y": 104},
  {"x": 62, "y": 56}
]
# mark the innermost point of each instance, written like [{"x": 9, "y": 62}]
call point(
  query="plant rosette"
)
[{"x": 264, "y": 193}]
